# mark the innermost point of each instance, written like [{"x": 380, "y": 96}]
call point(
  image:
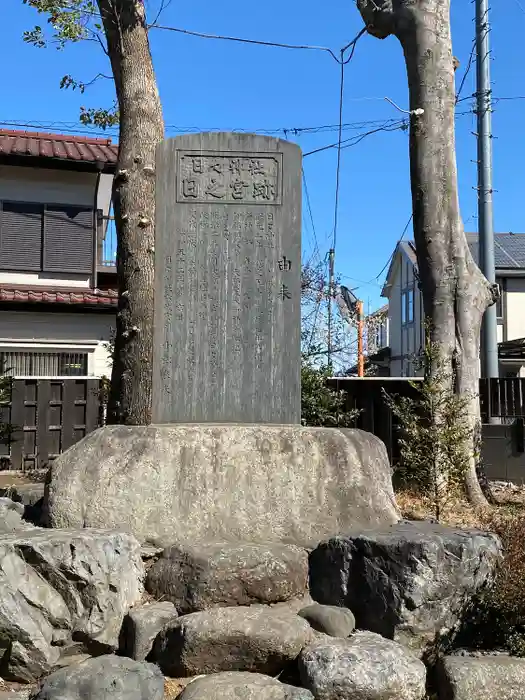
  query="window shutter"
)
[
  {"x": 68, "y": 239},
  {"x": 21, "y": 236}
]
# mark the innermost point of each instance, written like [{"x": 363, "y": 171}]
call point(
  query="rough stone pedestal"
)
[{"x": 210, "y": 482}]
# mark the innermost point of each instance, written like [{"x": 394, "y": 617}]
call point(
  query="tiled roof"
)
[
  {"x": 72, "y": 297},
  {"x": 80, "y": 149},
  {"x": 509, "y": 249}
]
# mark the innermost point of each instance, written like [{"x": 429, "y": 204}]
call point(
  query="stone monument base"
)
[{"x": 210, "y": 482}]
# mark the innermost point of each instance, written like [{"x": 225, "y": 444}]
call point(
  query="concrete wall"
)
[
  {"x": 59, "y": 332},
  {"x": 24, "y": 184}
]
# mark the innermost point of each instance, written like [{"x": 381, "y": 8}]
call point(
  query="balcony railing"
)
[{"x": 107, "y": 243}]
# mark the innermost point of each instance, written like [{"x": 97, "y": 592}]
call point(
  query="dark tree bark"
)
[
  {"x": 141, "y": 129},
  {"x": 455, "y": 293}
]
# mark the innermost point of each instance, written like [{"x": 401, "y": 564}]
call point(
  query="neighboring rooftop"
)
[
  {"x": 509, "y": 249},
  {"x": 86, "y": 150},
  {"x": 70, "y": 297}
]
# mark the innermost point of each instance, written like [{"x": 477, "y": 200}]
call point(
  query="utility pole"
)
[
  {"x": 331, "y": 265},
  {"x": 489, "y": 337},
  {"x": 360, "y": 327}
]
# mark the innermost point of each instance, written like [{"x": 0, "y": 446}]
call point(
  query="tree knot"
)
[{"x": 495, "y": 293}]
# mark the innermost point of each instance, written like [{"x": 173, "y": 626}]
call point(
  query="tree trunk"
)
[
  {"x": 141, "y": 129},
  {"x": 455, "y": 293}
]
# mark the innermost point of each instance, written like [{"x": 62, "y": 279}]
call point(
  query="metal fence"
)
[
  {"x": 502, "y": 398},
  {"x": 31, "y": 363}
]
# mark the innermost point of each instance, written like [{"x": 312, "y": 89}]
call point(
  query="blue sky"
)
[{"x": 214, "y": 84}]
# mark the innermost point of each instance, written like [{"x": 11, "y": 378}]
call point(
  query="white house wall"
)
[
  {"x": 514, "y": 308},
  {"x": 24, "y": 184},
  {"x": 394, "y": 318},
  {"x": 64, "y": 332},
  {"x": 406, "y": 340}
]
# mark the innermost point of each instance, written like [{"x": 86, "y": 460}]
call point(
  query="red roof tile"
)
[
  {"x": 101, "y": 297},
  {"x": 82, "y": 149}
]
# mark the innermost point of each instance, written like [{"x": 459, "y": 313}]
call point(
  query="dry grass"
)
[
  {"x": 173, "y": 687},
  {"x": 457, "y": 512}
]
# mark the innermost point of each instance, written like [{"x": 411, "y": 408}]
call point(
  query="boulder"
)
[
  {"x": 58, "y": 584},
  {"x": 248, "y": 686},
  {"x": 410, "y": 582},
  {"x": 198, "y": 577},
  {"x": 498, "y": 677},
  {"x": 141, "y": 625},
  {"x": 256, "y": 639},
  {"x": 366, "y": 666},
  {"x": 26, "y": 494},
  {"x": 11, "y": 516},
  {"x": 199, "y": 483},
  {"x": 104, "y": 678},
  {"x": 329, "y": 619},
  {"x": 15, "y": 694}
]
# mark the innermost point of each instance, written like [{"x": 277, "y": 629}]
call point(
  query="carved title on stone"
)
[
  {"x": 227, "y": 271},
  {"x": 217, "y": 177}
]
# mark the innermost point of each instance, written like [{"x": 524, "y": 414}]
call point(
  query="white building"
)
[
  {"x": 405, "y": 305},
  {"x": 57, "y": 254}
]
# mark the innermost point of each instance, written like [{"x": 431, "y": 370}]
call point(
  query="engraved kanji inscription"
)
[
  {"x": 284, "y": 263},
  {"x": 284, "y": 292},
  {"x": 229, "y": 178}
]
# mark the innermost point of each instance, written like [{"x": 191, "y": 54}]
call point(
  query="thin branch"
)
[{"x": 98, "y": 77}]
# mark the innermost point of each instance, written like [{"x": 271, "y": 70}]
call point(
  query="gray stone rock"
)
[
  {"x": 141, "y": 625},
  {"x": 409, "y": 582},
  {"x": 294, "y": 605},
  {"x": 255, "y": 639},
  {"x": 499, "y": 677},
  {"x": 329, "y": 619},
  {"x": 15, "y": 694},
  {"x": 11, "y": 514},
  {"x": 230, "y": 287},
  {"x": 26, "y": 494},
  {"x": 242, "y": 685},
  {"x": 104, "y": 678},
  {"x": 56, "y": 584},
  {"x": 210, "y": 483},
  {"x": 364, "y": 667},
  {"x": 10, "y": 504},
  {"x": 198, "y": 577}
]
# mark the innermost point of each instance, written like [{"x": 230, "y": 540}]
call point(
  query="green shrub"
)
[
  {"x": 320, "y": 404},
  {"x": 434, "y": 434}
]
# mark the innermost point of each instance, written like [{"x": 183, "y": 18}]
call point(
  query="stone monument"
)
[
  {"x": 227, "y": 280},
  {"x": 226, "y": 458}
]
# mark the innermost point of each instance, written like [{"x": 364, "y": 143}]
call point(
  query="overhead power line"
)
[
  {"x": 112, "y": 130},
  {"x": 309, "y": 207},
  {"x": 392, "y": 254},
  {"x": 467, "y": 71},
  {"x": 242, "y": 40}
]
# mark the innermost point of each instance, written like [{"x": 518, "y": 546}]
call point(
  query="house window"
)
[
  {"x": 499, "y": 303},
  {"x": 28, "y": 363},
  {"x": 410, "y": 306},
  {"x": 407, "y": 306},
  {"x": 46, "y": 238}
]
